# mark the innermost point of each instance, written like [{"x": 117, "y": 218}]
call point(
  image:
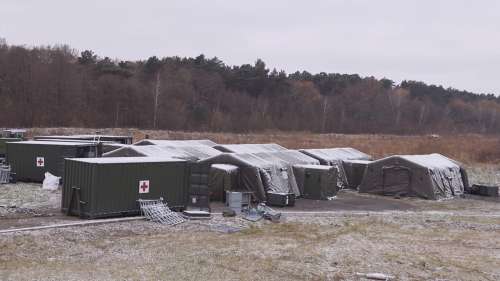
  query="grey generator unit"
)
[
  {"x": 110, "y": 187},
  {"x": 319, "y": 182},
  {"x": 30, "y": 160}
]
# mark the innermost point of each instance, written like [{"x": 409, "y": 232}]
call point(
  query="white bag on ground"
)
[{"x": 50, "y": 182}]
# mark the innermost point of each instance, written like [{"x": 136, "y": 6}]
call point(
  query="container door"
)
[{"x": 312, "y": 185}]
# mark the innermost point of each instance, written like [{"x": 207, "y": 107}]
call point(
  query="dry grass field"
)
[{"x": 469, "y": 149}]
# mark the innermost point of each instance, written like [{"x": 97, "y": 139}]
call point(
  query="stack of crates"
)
[{"x": 198, "y": 192}]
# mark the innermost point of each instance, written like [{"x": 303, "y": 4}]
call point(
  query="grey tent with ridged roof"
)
[{"x": 430, "y": 176}]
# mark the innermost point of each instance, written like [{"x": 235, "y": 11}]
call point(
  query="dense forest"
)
[{"x": 59, "y": 87}]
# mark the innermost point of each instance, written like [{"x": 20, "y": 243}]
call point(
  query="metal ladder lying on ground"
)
[
  {"x": 4, "y": 174},
  {"x": 157, "y": 211}
]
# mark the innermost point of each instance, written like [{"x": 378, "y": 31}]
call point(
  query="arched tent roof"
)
[
  {"x": 292, "y": 157},
  {"x": 250, "y": 148},
  {"x": 432, "y": 161},
  {"x": 328, "y": 156},
  {"x": 197, "y": 151},
  {"x": 193, "y": 153},
  {"x": 239, "y": 159},
  {"x": 144, "y": 151},
  {"x": 205, "y": 142}
]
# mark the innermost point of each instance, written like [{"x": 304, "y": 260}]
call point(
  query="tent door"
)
[{"x": 396, "y": 180}]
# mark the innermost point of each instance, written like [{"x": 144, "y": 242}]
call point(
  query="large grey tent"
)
[
  {"x": 290, "y": 158},
  {"x": 193, "y": 153},
  {"x": 336, "y": 157},
  {"x": 250, "y": 148},
  {"x": 431, "y": 176},
  {"x": 176, "y": 142},
  {"x": 257, "y": 174}
]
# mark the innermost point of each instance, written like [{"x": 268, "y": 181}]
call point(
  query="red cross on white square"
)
[
  {"x": 40, "y": 162},
  {"x": 144, "y": 186}
]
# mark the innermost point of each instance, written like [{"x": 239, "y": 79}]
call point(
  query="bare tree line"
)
[{"x": 57, "y": 86}]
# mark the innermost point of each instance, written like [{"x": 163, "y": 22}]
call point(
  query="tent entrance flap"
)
[
  {"x": 222, "y": 178},
  {"x": 396, "y": 180}
]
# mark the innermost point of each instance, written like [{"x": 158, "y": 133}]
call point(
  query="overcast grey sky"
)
[{"x": 455, "y": 43}]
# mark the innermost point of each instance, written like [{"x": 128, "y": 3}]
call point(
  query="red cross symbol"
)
[
  {"x": 144, "y": 186},
  {"x": 40, "y": 162}
]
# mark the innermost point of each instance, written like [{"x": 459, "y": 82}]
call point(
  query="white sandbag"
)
[{"x": 50, "y": 182}]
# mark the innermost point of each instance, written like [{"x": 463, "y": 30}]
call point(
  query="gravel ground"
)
[
  {"x": 407, "y": 245},
  {"x": 409, "y": 239}
]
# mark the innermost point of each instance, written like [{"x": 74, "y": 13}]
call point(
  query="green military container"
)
[
  {"x": 30, "y": 160},
  {"x": 354, "y": 172},
  {"x": 105, "y": 138},
  {"x": 319, "y": 182},
  {"x": 3, "y": 145},
  {"x": 108, "y": 187}
]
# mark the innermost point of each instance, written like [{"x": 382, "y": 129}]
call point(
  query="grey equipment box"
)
[
  {"x": 238, "y": 201},
  {"x": 107, "y": 187},
  {"x": 486, "y": 190},
  {"x": 280, "y": 199}
]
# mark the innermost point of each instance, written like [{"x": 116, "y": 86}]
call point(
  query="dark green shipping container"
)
[
  {"x": 320, "y": 182},
  {"x": 31, "y": 159},
  {"x": 3, "y": 144},
  {"x": 109, "y": 138},
  {"x": 107, "y": 187}
]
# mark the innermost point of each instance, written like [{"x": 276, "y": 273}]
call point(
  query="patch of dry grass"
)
[{"x": 466, "y": 148}]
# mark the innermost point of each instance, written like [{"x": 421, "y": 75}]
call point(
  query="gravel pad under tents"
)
[{"x": 431, "y": 176}]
